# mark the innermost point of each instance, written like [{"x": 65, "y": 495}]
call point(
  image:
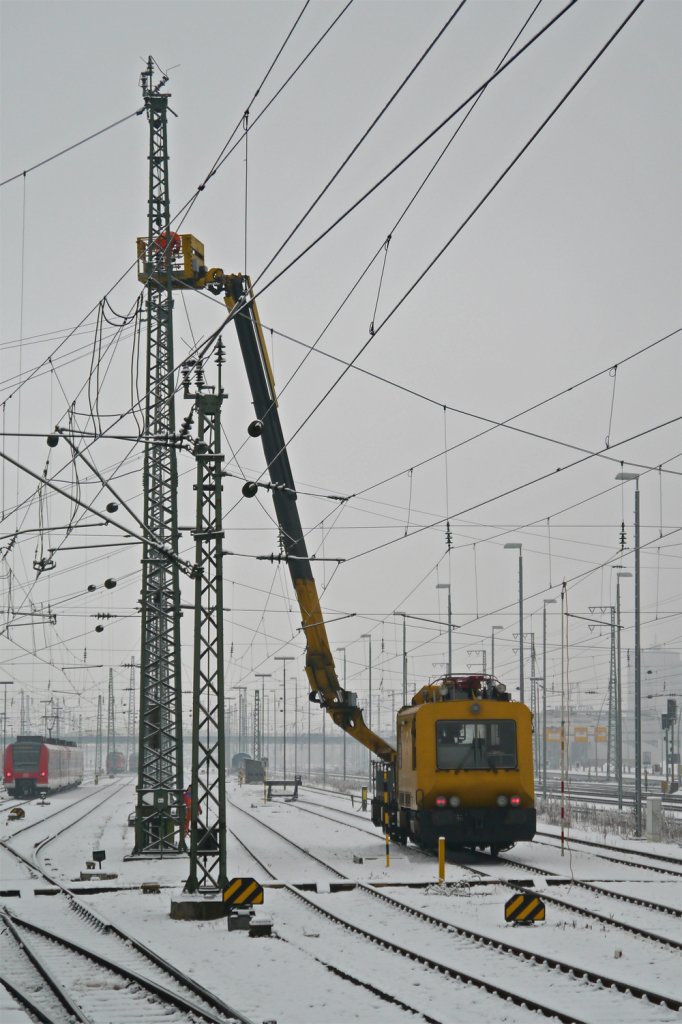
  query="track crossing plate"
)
[
  {"x": 524, "y": 908},
  {"x": 242, "y": 892}
]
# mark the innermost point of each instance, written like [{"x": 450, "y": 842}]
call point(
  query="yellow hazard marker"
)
[
  {"x": 524, "y": 908},
  {"x": 242, "y": 892},
  {"x": 441, "y": 859}
]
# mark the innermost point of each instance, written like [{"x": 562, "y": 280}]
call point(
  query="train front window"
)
[
  {"x": 26, "y": 756},
  {"x": 473, "y": 746}
]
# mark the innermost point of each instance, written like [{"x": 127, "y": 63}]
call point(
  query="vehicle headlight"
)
[
  {"x": 454, "y": 801},
  {"x": 502, "y": 800}
]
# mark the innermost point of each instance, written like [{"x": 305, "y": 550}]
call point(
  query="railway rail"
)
[
  {"x": 551, "y": 898},
  {"x": 89, "y": 986},
  {"x": 505, "y": 949},
  {"x": 121, "y": 952}
]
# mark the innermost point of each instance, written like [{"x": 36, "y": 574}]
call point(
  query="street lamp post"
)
[
  {"x": 284, "y": 658},
  {"x": 240, "y": 716},
  {"x": 638, "y": 664},
  {"x": 521, "y": 680},
  {"x": 294, "y": 680},
  {"x": 619, "y": 694},
  {"x": 446, "y": 586},
  {"x": 342, "y": 650},
  {"x": 492, "y": 648},
  {"x": 546, "y": 601}
]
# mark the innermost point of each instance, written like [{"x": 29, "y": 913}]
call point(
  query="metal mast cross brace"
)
[
  {"x": 208, "y": 835},
  {"x": 159, "y": 790}
]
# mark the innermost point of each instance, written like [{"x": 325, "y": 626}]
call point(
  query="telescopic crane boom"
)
[{"x": 325, "y": 689}]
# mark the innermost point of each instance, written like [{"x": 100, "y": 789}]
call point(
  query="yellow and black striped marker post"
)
[
  {"x": 242, "y": 892},
  {"x": 524, "y": 908}
]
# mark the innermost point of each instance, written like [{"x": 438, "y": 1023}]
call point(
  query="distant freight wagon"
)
[
  {"x": 34, "y": 765},
  {"x": 116, "y": 762}
]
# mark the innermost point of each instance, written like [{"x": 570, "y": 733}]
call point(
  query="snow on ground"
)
[{"x": 288, "y": 978}]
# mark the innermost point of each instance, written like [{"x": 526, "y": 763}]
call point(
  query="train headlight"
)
[
  {"x": 502, "y": 800},
  {"x": 441, "y": 801},
  {"x": 515, "y": 801},
  {"x": 454, "y": 801}
]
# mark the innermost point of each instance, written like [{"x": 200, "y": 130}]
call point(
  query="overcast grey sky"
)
[{"x": 570, "y": 267}]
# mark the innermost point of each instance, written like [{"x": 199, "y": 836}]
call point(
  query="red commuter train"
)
[{"x": 34, "y": 765}]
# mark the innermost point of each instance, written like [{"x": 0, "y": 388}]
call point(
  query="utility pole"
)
[
  {"x": 256, "y": 726},
  {"x": 242, "y": 733},
  {"x": 446, "y": 586},
  {"x": 368, "y": 638},
  {"x": 546, "y": 601},
  {"x": 98, "y": 739},
  {"x": 519, "y": 548},
  {"x": 492, "y": 648},
  {"x": 612, "y": 719},
  {"x": 294, "y": 680},
  {"x": 638, "y": 662},
  {"x": 208, "y": 827},
  {"x": 284, "y": 658},
  {"x": 159, "y": 811},
  {"x": 263, "y": 676},
  {"x": 619, "y": 692},
  {"x": 342, "y": 650},
  {"x": 131, "y": 708},
  {"x": 5, "y": 683},
  {"x": 111, "y": 723}
]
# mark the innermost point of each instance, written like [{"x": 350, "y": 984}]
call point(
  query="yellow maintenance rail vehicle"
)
[{"x": 463, "y": 768}]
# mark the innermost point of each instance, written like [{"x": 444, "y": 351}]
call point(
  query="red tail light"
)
[
  {"x": 515, "y": 801},
  {"x": 441, "y": 801}
]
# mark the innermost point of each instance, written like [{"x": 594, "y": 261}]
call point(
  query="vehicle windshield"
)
[
  {"x": 476, "y": 745},
  {"x": 26, "y": 757}
]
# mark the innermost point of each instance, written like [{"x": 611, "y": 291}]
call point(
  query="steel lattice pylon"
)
[
  {"x": 257, "y": 746},
  {"x": 208, "y": 839},
  {"x": 111, "y": 719},
  {"x": 159, "y": 790}
]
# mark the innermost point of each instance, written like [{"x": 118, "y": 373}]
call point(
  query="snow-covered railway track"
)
[
  {"x": 579, "y": 883},
  {"x": 563, "y": 977},
  {"x": 122, "y": 952},
  {"x": 638, "y": 901},
  {"x": 67, "y": 981},
  {"x": 662, "y": 864},
  {"x": 442, "y": 970}
]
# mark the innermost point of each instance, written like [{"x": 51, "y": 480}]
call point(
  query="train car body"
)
[
  {"x": 464, "y": 768},
  {"x": 34, "y": 765},
  {"x": 115, "y": 763},
  {"x": 238, "y": 761},
  {"x": 253, "y": 770}
]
